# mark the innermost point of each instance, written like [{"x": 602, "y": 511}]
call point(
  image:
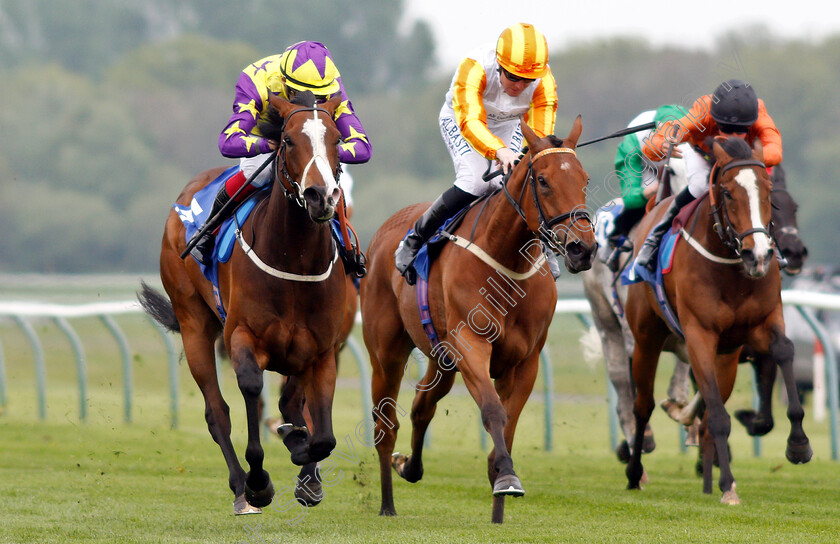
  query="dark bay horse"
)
[
  {"x": 726, "y": 289},
  {"x": 491, "y": 312},
  {"x": 283, "y": 289},
  {"x": 601, "y": 287}
]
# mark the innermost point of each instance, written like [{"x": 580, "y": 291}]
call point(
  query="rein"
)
[{"x": 545, "y": 233}]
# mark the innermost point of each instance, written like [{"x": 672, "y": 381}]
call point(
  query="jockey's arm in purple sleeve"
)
[
  {"x": 241, "y": 138},
  {"x": 355, "y": 148}
]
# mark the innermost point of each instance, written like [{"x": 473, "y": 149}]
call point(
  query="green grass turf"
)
[{"x": 102, "y": 480}]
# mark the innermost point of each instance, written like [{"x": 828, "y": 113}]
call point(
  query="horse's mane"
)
[{"x": 271, "y": 123}]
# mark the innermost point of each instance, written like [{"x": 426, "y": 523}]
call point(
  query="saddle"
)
[{"x": 434, "y": 245}]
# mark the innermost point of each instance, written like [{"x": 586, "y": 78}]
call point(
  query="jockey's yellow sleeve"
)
[{"x": 480, "y": 104}]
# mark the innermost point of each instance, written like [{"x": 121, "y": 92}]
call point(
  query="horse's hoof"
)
[
  {"x": 260, "y": 497},
  {"x": 799, "y": 454},
  {"x": 692, "y": 434},
  {"x": 673, "y": 408},
  {"x": 644, "y": 480},
  {"x": 730, "y": 497},
  {"x": 311, "y": 493},
  {"x": 241, "y": 507},
  {"x": 648, "y": 444},
  {"x": 508, "y": 484},
  {"x": 404, "y": 469},
  {"x": 622, "y": 451},
  {"x": 634, "y": 476},
  {"x": 753, "y": 422}
]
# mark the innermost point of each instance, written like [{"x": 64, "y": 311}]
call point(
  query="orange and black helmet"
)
[{"x": 522, "y": 50}]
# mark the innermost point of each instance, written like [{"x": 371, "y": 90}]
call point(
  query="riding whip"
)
[{"x": 623, "y": 132}]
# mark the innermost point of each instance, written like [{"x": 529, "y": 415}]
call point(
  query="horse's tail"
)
[{"x": 158, "y": 307}]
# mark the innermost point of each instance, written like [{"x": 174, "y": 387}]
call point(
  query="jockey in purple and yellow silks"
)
[
  {"x": 491, "y": 90},
  {"x": 304, "y": 66}
]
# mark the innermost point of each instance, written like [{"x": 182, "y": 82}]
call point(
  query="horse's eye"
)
[
  {"x": 541, "y": 180},
  {"x": 726, "y": 194},
  {"x": 288, "y": 141}
]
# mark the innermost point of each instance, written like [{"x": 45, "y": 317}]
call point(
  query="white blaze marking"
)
[
  {"x": 315, "y": 129},
  {"x": 746, "y": 179}
]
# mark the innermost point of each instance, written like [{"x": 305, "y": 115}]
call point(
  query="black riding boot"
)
[
  {"x": 647, "y": 255},
  {"x": 447, "y": 204},
  {"x": 203, "y": 249}
]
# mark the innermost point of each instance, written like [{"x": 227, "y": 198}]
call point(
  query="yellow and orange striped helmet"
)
[{"x": 523, "y": 51}]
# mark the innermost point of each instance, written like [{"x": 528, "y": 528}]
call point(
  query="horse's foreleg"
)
[
  {"x": 294, "y": 432},
  {"x": 759, "y": 423},
  {"x": 476, "y": 373},
  {"x": 715, "y": 375},
  {"x": 798, "y": 446},
  {"x": 319, "y": 388},
  {"x": 514, "y": 388},
  {"x": 259, "y": 490}
]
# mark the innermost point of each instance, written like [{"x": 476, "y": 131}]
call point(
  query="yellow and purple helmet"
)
[
  {"x": 522, "y": 50},
  {"x": 308, "y": 66}
]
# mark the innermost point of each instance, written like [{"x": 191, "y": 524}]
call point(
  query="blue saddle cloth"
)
[{"x": 634, "y": 273}]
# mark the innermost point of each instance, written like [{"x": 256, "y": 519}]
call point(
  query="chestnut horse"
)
[
  {"x": 725, "y": 287},
  {"x": 283, "y": 290},
  {"x": 491, "y": 306},
  {"x": 602, "y": 288}
]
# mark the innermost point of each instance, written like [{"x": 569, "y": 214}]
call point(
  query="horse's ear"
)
[
  {"x": 280, "y": 104},
  {"x": 720, "y": 155},
  {"x": 530, "y": 136},
  {"x": 332, "y": 104},
  {"x": 758, "y": 150},
  {"x": 572, "y": 139}
]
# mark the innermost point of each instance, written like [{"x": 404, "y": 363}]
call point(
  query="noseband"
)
[
  {"x": 291, "y": 188},
  {"x": 547, "y": 235},
  {"x": 730, "y": 237}
]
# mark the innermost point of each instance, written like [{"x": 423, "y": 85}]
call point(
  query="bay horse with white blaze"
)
[
  {"x": 283, "y": 289},
  {"x": 725, "y": 287},
  {"x": 491, "y": 300}
]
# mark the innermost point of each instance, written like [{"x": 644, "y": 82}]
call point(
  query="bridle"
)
[
  {"x": 730, "y": 237},
  {"x": 546, "y": 234},
  {"x": 291, "y": 188}
]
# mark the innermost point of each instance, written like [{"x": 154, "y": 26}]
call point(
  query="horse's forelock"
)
[
  {"x": 737, "y": 148},
  {"x": 555, "y": 141},
  {"x": 304, "y": 98}
]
